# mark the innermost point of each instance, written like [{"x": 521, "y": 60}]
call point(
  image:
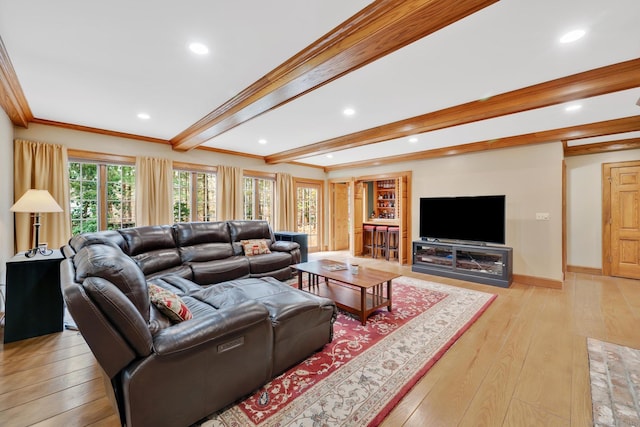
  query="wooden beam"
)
[
  {"x": 12, "y": 99},
  {"x": 609, "y": 127},
  {"x": 600, "y": 81},
  {"x": 603, "y": 147},
  {"x": 377, "y": 30}
]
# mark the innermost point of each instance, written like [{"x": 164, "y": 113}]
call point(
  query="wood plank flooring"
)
[{"x": 523, "y": 363}]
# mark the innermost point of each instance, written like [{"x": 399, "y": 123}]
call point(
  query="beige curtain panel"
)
[
  {"x": 229, "y": 201},
  {"x": 41, "y": 166},
  {"x": 285, "y": 218},
  {"x": 154, "y": 191}
]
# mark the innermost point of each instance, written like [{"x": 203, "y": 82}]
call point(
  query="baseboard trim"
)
[
  {"x": 537, "y": 281},
  {"x": 584, "y": 270}
]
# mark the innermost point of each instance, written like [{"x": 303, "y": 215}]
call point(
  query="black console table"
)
[
  {"x": 34, "y": 303},
  {"x": 491, "y": 265}
]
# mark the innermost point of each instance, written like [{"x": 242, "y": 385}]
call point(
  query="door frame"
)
[{"x": 606, "y": 212}]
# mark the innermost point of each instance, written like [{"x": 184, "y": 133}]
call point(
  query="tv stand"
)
[{"x": 491, "y": 265}]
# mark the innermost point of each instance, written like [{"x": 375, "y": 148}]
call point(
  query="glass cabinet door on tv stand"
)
[{"x": 491, "y": 265}]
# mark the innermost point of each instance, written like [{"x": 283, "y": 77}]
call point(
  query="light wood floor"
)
[{"x": 523, "y": 363}]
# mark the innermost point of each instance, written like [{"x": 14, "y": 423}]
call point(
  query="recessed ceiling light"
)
[
  {"x": 413, "y": 140},
  {"x": 144, "y": 116},
  {"x": 348, "y": 111},
  {"x": 262, "y": 141},
  {"x": 572, "y": 36},
  {"x": 329, "y": 156},
  {"x": 572, "y": 107},
  {"x": 198, "y": 48}
]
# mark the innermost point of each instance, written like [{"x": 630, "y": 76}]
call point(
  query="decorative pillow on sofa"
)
[
  {"x": 169, "y": 304},
  {"x": 255, "y": 247}
]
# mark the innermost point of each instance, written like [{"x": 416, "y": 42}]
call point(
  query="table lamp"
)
[{"x": 36, "y": 202}]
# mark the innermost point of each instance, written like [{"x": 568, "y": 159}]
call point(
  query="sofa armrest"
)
[
  {"x": 217, "y": 325},
  {"x": 284, "y": 246}
]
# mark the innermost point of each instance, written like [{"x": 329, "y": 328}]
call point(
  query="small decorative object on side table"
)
[{"x": 34, "y": 303}]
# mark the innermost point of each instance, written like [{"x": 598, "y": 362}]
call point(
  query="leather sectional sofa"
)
[{"x": 244, "y": 326}]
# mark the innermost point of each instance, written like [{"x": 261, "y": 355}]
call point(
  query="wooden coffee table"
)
[{"x": 359, "y": 293}]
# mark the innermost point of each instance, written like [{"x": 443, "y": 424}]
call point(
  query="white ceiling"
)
[{"x": 99, "y": 64}]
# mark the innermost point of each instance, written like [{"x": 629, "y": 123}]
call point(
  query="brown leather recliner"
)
[{"x": 159, "y": 373}]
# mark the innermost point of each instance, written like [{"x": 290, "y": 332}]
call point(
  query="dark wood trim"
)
[
  {"x": 603, "y": 147},
  {"x": 584, "y": 270},
  {"x": 194, "y": 167},
  {"x": 627, "y": 124},
  {"x": 12, "y": 99},
  {"x": 377, "y": 30},
  {"x": 537, "y": 281},
  {"x": 600, "y": 81},
  {"x": 99, "y": 131},
  {"x": 94, "y": 156}
]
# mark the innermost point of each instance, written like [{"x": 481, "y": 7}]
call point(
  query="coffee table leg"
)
[
  {"x": 389, "y": 294},
  {"x": 300, "y": 273},
  {"x": 363, "y": 306}
]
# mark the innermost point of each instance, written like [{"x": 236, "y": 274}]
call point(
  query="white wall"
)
[
  {"x": 584, "y": 206},
  {"x": 531, "y": 179},
  {"x": 108, "y": 144},
  {"x": 6, "y": 197}
]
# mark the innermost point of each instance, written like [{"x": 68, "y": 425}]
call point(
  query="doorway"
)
[
  {"x": 339, "y": 213},
  {"x": 621, "y": 219}
]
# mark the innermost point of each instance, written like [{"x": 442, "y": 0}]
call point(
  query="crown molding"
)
[
  {"x": 12, "y": 99},
  {"x": 603, "y": 147}
]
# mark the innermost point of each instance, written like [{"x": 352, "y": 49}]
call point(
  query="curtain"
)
[
  {"x": 285, "y": 218},
  {"x": 154, "y": 191},
  {"x": 41, "y": 166},
  {"x": 229, "y": 203}
]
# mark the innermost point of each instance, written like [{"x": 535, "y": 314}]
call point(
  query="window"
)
[
  {"x": 258, "y": 198},
  {"x": 194, "y": 196},
  {"x": 101, "y": 196},
  {"x": 308, "y": 211}
]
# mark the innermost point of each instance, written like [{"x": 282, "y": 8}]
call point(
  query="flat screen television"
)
[{"x": 479, "y": 219}]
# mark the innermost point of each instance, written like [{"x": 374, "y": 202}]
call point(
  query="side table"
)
[{"x": 34, "y": 304}]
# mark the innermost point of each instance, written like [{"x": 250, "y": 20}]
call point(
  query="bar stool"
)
[
  {"x": 393, "y": 240},
  {"x": 380, "y": 241},
  {"x": 368, "y": 239}
]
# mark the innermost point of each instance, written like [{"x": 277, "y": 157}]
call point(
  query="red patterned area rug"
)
[{"x": 359, "y": 377}]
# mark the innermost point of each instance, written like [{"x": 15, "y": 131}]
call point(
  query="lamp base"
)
[{"x": 41, "y": 250}]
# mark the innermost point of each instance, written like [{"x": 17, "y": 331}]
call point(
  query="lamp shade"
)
[{"x": 36, "y": 201}]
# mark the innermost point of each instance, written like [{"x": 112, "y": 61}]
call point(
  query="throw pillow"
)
[
  {"x": 169, "y": 304},
  {"x": 255, "y": 247}
]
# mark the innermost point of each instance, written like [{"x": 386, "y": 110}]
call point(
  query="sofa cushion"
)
[
  {"x": 246, "y": 230},
  {"x": 265, "y": 263},
  {"x": 113, "y": 265},
  {"x": 152, "y": 247},
  {"x": 107, "y": 237},
  {"x": 209, "y": 272},
  {"x": 121, "y": 313},
  {"x": 255, "y": 247},
  {"x": 170, "y": 304}
]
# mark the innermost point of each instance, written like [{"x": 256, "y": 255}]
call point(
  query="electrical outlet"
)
[{"x": 542, "y": 216}]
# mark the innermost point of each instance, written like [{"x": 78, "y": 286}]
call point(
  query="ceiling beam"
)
[
  {"x": 608, "y": 127},
  {"x": 377, "y": 30},
  {"x": 602, "y": 147},
  {"x": 12, "y": 99},
  {"x": 600, "y": 81}
]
